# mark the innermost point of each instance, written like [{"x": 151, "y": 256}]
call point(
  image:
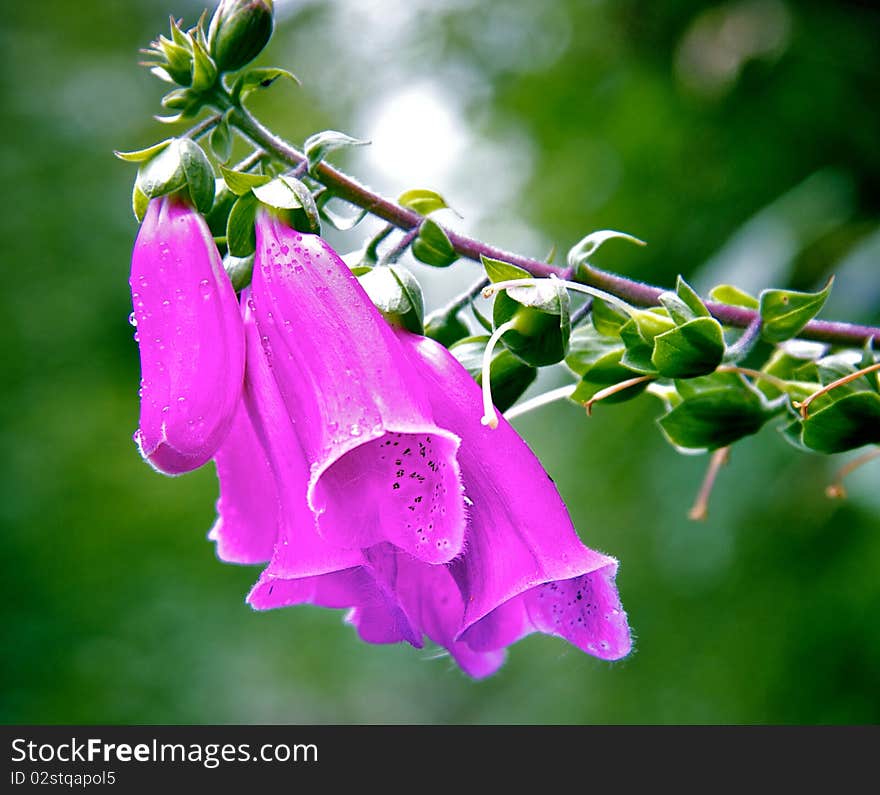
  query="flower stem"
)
[
  {"x": 538, "y": 401},
  {"x": 633, "y": 292},
  {"x": 804, "y": 406},
  {"x": 700, "y": 509},
  {"x": 835, "y": 489},
  {"x": 602, "y": 394}
]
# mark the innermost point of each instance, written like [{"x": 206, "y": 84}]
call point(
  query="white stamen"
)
[
  {"x": 496, "y": 287},
  {"x": 536, "y": 402},
  {"x": 490, "y": 416}
]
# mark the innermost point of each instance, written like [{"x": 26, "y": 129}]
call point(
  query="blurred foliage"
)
[{"x": 739, "y": 139}]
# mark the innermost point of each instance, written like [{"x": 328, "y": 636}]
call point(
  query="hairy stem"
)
[{"x": 631, "y": 291}]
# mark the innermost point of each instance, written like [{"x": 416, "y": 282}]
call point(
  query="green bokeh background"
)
[{"x": 739, "y": 139}]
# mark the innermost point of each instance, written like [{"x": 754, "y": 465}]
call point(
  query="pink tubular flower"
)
[
  {"x": 524, "y": 569},
  {"x": 190, "y": 338},
  {"x": 381, "y": 469},
  {"x": 393, "y": 597}
]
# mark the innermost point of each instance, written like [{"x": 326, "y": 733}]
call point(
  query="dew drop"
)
[{"x": 132, "y": 320}]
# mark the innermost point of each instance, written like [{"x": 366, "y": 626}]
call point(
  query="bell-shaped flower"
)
[
  {"x": 190, "y": 338},
  {"x": 381, "y": 468},
  {"x": 263, "y": 513},
  {"x": 524, "y": 569}
]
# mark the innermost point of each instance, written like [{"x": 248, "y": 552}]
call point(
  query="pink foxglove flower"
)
[
  {"x": 381, "y": 469},
  {"x": 263, "y": 513},
  {"x": 190, "y": 337},
  {"x": 524, "y": 569}
]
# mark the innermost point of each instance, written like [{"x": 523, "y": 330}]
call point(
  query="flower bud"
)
[{"x": 239, "y": 31}]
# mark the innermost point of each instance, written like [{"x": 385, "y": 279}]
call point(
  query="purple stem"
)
[{"x": 629, "y": 290}]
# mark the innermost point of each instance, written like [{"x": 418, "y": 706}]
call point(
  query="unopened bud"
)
[{"x": 239, "y": 31}]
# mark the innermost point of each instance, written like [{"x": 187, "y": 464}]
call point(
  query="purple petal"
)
[
  {"x": 524, "y": 566},
  {"x": 247, "y": 511},
  {"x": 381, "y": 468},
  {"x": 432, "y": 603},
  {"x": 190, "y": 338},
  {"x": 300, "y": 551}
]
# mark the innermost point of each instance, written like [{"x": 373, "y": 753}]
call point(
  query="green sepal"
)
[
  {"x": 240, "y": 182},
  {"x": 733, "y": 296},
  {"x": 204, "y": 70},
  {"x": 143, "y": 155},
  {"x": 637, "y": 356},
  {"x": 596, "y": 359},
  {"x": 221, "y": 139},
  {"x": 714, "y": 418},
  {"x": 432, "y": 246},
  {"x": 319, "y": 145},
  {"x": 219, "y": 215},
  {"x": 199, "y": 174},
  {"x": 139, "y": 202},
  {"x": 396, "y": 294},
  {"x": 337, "y": 220},
  {"x": 446, "y": 329},
  {"x": 163, "y": 173},
  {"x": 606, "y": 319},
  {"x": 423, "y": 201},
  {"x": 240, "y": 270},
  {"x": 689, "y": 350},
  {"x": 847, "y": 423},
  {"x": 240, "y": 236},
  {"x": 254, "y": 79},
  {"x": 785, "y": 312}
]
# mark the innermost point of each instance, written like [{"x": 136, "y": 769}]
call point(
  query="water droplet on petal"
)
[{"x": 132, "y": 320}]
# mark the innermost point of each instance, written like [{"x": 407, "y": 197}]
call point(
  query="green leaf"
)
[
  {"x": 319, "y": 145},
  {"x": 785, "y": 312},
  {"x": 432, "y": 246},
  {"x": 606, "y": 319},
  {"x": 693, "y": 349},
  {"x": 139, "y": 202},
  {"x": 715, "y": 418},
  {"x": 423, "y": 201},
  {"x": 240, "y": 182},
  {"x": 199, "y": 174},
  {"x": 510, "y": 377},
  {"x": 221, "y": 140},
  {"x": 142, "y": 155},
  {"x": 254, "y": 79},
  {"x": 690, "y": 297},
  {"x": 849, "y": 422},
  {"x": 733, "y": 296},
  {"x": 240, "y": 238}
]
